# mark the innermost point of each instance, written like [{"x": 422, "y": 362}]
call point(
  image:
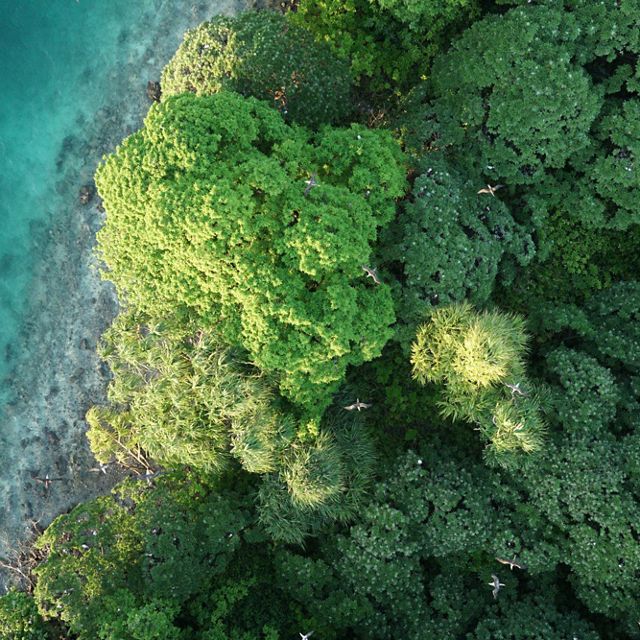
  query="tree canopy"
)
[
  {"x": 221, "y": 211},
  {"x": 260, "y": 54}
]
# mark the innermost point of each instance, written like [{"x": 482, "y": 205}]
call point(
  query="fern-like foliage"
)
[{"x": 479, "y": 360}]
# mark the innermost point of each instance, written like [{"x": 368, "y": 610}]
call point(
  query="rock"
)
[
  {"x": 86, "y": 194},
  {"x": 154, "y": 92}
]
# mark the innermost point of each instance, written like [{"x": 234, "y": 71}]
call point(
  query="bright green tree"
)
[
  {"x": 479, "y": 358},
  {"x": 220, "y": 211},
  {"x": 260, "y": 54}
]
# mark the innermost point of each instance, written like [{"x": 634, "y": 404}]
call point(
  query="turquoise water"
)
[
  {"x": 56, "y": 57},
  {"x": 73, "y": 77}
]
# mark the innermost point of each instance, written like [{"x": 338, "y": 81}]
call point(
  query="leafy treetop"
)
[
  {"x": 262, "y": 55},
  {"x": 221, "y": 211}
]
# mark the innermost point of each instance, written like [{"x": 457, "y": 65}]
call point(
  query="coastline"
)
[{"x": 56, "y": 374}]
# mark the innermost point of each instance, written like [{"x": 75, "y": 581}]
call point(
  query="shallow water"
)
[{"x": 73, "y": 77}]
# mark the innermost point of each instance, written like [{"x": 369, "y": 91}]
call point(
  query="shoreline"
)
[{"x": 59, "y": 375}]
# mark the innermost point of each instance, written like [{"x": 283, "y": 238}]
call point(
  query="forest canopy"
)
[{"x": 377, "y": 368}]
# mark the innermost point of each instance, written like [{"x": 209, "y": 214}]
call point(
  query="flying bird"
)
[
  {"x": 515, "y": 389},
  {"x": 305, "y": 636},
  {"x": 371, "y": 273},
  {"x": 311, "y": 182},
  {"x": 496, "y": 584},
  {"x": 357, "y": 405},
  {"x": 491, "y": 189},
  {"x": 46, "y": 481},
  {"x": 512, "y": 563}
]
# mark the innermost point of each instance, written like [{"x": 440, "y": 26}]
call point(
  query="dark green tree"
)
[
  {"x": 260, "y": 54},
  {"x": 509, "y": 100},
  {"x": 388, "y": 42},
  {"x": 452, "y": 243},
  {"x": 125, "y": 565}
]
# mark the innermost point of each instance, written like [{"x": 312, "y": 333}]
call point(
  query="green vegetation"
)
[
  {"x": 215, "y": 198},
  {"x": 361, "y": 374},
  {"x": 264, "y": 56},
  {"x": 479, "y": 359},
  {"x": 389, "y": 43}
]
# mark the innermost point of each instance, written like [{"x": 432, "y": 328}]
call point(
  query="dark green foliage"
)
[
  {"x": 452, "y": 244},
  {"x": 207, "y": 215},
  {"x": 509, "y": 96},
  {"x": 260, "y": 54},
  {"x": 124, "y": 565},
  {"x": 20, "y": 619},
  {"x": 389, "y": 42}
]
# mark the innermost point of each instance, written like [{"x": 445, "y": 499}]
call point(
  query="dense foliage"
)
[
  {"x": 308, "y": 310},
  {"x": 264, "y": 56},
  {"x": 479, "y": 358},
  {"x": 389, "y": 43},
  {"x": 209, "y": 214}
]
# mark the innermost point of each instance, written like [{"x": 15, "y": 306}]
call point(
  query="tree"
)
[
  {"x": 452, "y": 243},
  {"x": 479, "y": 358},
  {"x": 371, "y": 35},
  {"x": 219, "y": 211},
  {"x": 179, "y": 397},
  {"x": 126, "y": 564},
  {"x": 260, "y": 54},
  {"x": 509, "y": 100},
  {"x": 319, "y": 481},
  {"x": 20, "y": 619}
]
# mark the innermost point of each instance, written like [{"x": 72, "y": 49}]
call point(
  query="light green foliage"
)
[
  {"x": 127, "y": 563},
  {"x": 180, "y": 398},
  {"x": 207, "y": 215},
  {"x": 476, "y": 356},
  {"x": 319, "y": 481},
  {"x": 19, "y": 618},
  {"x": 389, "y": 42},
  {"x": 260, "y": 54},
  {"x": 511, "y": 99}
]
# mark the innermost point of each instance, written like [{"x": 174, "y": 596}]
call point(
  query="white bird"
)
[
  {"x": 491, "y": 189},
  {"x": 496, "y": 584},
  {"x": 305, "y": 636},
  {"x": 515, "y": 389},
  {"x": 357, "y": 405},
  {"x": 371, "y": 273},
  {"x": 311, "y": 182},
  {"x": 512, "y": 563}
]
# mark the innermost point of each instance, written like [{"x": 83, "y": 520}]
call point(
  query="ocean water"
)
[{"x": 73, "y": 77}]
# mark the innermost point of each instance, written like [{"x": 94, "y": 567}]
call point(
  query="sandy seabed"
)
[{"x": 56, "y": 374}]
